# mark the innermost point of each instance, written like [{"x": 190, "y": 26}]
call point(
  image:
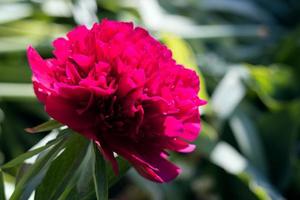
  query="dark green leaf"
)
[
  {"x": 275, "y": 85},
  {"x": 62, "y": 169},
  {"x": 35, "y": 173},
  {"x": 100, "y": 176},
  {"x": 248, "y": 138},
  {"x": 226, "y": 157},
  {"x": 47, "y": 126},
  {"x": 207, "y": 139},
  {"x": 82, "y": 183},
  {"x": 279, "y": 137},
  {"x": 20, "y": 159},
  {"x": 84, "y": 188},
  {"x": 86, "y": 171},
  {"x": 229, "y": 92}
]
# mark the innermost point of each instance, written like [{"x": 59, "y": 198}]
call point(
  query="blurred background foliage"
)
[{"x": 247, "y": 53}]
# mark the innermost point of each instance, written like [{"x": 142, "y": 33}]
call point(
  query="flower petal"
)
[
  {"x": 173, "y": 127},
  {"x": 191, "y": 131},
  {"x": 65, "y": 112},
  {"x": 39, "y": 67},
  {"x": 150, "y": 164}
]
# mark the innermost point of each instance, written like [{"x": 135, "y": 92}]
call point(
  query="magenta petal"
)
[
  {"x": 72, "y": 73},
  {"x": 173, "y": 127},
  {"x": 65, "y": 112},
  {"x": 126, "y": 84},
  {"x": 62, "y": 49},
  {"x": 78, "y": 33},
  {"x": 83, "y": 60},
  {"x": 98, "y": 91},
  {"x": 39, "y": 67},
  {"x": 166, "y": 172},
  {"x": 178, "y": 145},
  {"x": 190, "y": 148},
  {"x": 72, "y": 92},
  {"x": 60, "y": 43},
  {"x": 40, "y": 91},
  {"x": 150, "y": 164},
  {"x": 191, "y": 131}
]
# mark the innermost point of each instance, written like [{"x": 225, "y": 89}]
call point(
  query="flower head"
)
[{"x": 118, "y": 86}]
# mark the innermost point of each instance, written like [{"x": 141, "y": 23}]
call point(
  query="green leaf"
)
[
  {"x": 100, "y": 176},
  {"x": 83, "y": 187},
  {"x": 248, "y": 138},
  {"x": 81, "y": 183},
  {"x": 287, "y": 51},
  {"x": 226, "y": 157},
  {"x": 20, "y": 159},
  {"x": 86, "y": 171},
  {"x": 62, "y": 169},
  {"x": 47, "y": 126},
  {"x": 279, "y": 136},
  {"x": 207, "y": 139},
  {"x": 2, "y": 191},
  {"x": 229, "y": 92},
  {"x": 275, "y": 85},
  {"x": 35, "y": 173}
]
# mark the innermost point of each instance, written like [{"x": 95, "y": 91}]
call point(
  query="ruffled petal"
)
[
  {"x": 178, "y": 145},
  {"x": 41, "y": 91},
  {"x": 65, "y": 112},
  {"x": 39, "y": 67},
  {"x": 173, "y": 127},
  {"x": 166, "y": 171},
  {"x": 191, "y": 131},
  {"x": 151, "y": 164}
]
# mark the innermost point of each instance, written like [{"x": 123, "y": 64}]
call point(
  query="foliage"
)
[{"x": 246, "y": 53}]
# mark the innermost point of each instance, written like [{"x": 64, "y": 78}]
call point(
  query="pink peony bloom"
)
[{"x": 118, "y": 86}]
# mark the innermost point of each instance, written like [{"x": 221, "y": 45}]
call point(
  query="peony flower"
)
[{"x": 118, "y": 86}]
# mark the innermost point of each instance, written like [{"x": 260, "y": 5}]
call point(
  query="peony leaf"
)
[
  {"x": 248, "y": 138},
  {"x": 279, "y": 135},
  {"x": 207, "y": 139},
  {"x": 100, "y": 176},
  {"x": 2, "y": 191},
  {"x": 84, "y": 187},
  {"x": 273, "y": 84},
  {"x": 47, "y": 126},
  {"x": 62, "y": 169},
  {"x": 229, "y": 92},
  {"x": 20, "y": 159},
  {"x": 35, "y": 173},
  {"x": 226, "y": 157}
]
